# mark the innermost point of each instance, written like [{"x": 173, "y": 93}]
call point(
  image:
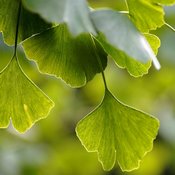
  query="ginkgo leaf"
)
[
  {"x": 117, "y": 133},
  {"x": 123, "y": 35},
  {"x": 134, "y": 67},
  {"x": 75, "y": 14},
  {"x": 21, "y": 100},
  {"x": 29, "y": 23},
  {"x": 72, "y": 59},
  {"x": 146, "y": 14}
]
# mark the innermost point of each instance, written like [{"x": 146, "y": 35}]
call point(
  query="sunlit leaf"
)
[
  {"x": 120, "y": 33},
  {"x": 72, "y": 59},
  {"x": 117, "y": 133},
  {"x": 75, "y": 14},
  {"x": 154, "y": 42},
  {"x": 134, "y": 67},
  {"x": 147, "y": 14},
  {"x": 21, "y": 100},
  {"x": 29, "y": 23}
]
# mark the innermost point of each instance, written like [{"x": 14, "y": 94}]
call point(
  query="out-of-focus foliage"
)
[
  {"x": 51, "y": 147},
  {"x": 76, "y": 14}
]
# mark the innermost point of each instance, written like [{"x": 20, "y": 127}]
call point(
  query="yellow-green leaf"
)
[
  {"x": 154, "y": 42},
  {"x": 120, "y": 33},
  {"x": 146, "y": 14},
  {"x": 125, "y": 44},
  {"x": 21, "y": 100},
  {"x": 117, "y": 133},
  {"x": 134, "y": 67}
]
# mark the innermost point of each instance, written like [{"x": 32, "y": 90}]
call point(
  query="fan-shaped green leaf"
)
[
  {"x": 147, "y": 14},
  {"x": 123, "y": 36},
  {"x": 75, "y": 14},
  {"x": 134, "y": 67},
  {"x": 72, "y": 59},
  {"x": 29, "y": 23},
  {"x": 21, "y": 100},
  {"x": 117, "y": 132}
]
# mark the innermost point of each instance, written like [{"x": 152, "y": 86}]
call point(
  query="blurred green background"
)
[{"x": 51, "y": 147}]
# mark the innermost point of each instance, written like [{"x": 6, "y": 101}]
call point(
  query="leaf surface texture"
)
[
  {"x": 117, "y": 133},
  {"x": 21, "y": 99}
]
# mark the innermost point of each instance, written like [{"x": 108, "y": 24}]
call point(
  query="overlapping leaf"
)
[
  {"x": 75, "y": 14},
  {"x": 77, "y": 17},
  {"x": 73, "y": 59},
  {"x": 29, "y": 23},
  {"x": 147, "y": 14},
  {"x": 117, "y": 133},
  {"x": 122, "y": 35},
  {"x": 134, "y": 67},
  {"x": 21, "y": 100}
]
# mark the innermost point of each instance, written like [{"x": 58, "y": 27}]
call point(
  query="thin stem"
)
[
  {"x": 170, "y": 27},
  {"x": 100, "y": 63},
  {"x": 17, "y": 29}
]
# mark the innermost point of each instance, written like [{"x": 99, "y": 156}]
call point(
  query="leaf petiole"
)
[
  {"x": 17, "y": 29},
  {"x": 170, "y": 27},
  {"x": 100, "y": 63}
]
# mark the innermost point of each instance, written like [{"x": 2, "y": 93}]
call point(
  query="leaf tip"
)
[{"x": 24, "y": 128}]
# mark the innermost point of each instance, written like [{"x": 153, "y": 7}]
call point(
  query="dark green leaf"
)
[
  {"x": 72, "y": 59},
  {"x": 29, "y": 23}
]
